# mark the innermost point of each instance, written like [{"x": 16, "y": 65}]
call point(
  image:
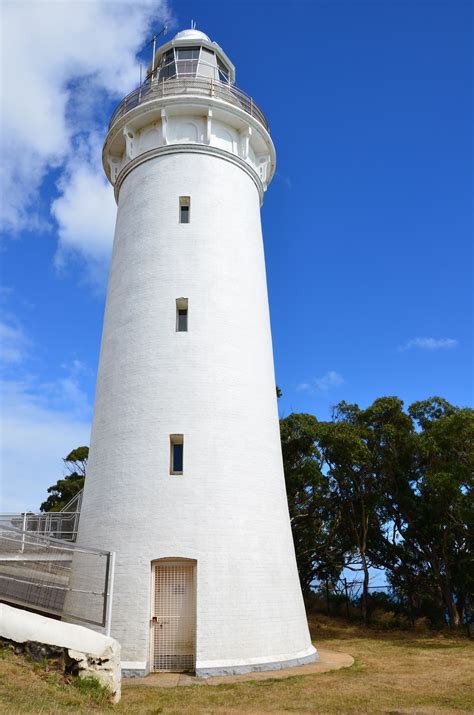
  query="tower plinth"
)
[{"x": 185, "y": 479}]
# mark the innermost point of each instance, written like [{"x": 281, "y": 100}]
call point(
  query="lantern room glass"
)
[{"x": 193, "y": 61}]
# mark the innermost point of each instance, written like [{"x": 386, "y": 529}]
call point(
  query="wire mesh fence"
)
[
  {"x": 55, "y": 577},
  {"x": 59, "y": 525},
  {"x": 343, "y": 597}
]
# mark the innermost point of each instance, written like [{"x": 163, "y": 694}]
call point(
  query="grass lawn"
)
[{"x": 394, "y": 672}]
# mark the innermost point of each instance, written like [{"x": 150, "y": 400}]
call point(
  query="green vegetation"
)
[
  {"x": 386, "y": 488},
  {"x": 63, "y": 491},
  {"x": 29, "y": 685},
  {"x": 92, "y": 689}
]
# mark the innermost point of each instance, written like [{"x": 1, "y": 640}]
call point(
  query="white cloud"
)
[
  {"x": 326, "y": 382},
  {"x": 40, "y": 422},
  {"x": 35, "y": 435},
  {"x": 61, "y": 61},
  {"x": 304, "y": 387},
  {"x": 76, "y": 367},
  {"x": 86, "y": 210},
  {"x": 85, "y": 214},
  {"x": 66, "y": 393},
  {"x": 330, "y": 379},
  {"x": 429, "y": 344},
  {"x": 13, "y": 343}
]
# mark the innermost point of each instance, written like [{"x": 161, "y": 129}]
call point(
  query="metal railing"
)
[
  {"x": 55, "y": 577},
  {"x": 75, "y": 503},
  {"x": 59, "y": 525},
  {"x": 55, "y": 524},
  {"x": 192, "y": 87}
]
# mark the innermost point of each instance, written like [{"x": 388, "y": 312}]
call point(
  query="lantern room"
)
[{"x": 191, "y": 54}]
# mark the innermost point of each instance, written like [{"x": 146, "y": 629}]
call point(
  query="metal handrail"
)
[
  {"x": 189, "y": 86},
  {"x": 76, "y": 500},
  {"x": 56, "y": 524},
  {"x": 38, "y": 572}
]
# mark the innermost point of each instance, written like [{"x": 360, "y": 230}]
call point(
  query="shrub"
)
[
  {"x": 389, "y": 620},
  {"x": 422, "y": 624}
]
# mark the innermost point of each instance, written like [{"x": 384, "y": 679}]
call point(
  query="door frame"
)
[{"x": 154, "y": 564}]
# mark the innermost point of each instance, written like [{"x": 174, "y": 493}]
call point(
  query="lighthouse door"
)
[{"x": 173, "y": 618}]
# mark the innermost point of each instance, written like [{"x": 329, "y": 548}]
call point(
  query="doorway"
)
[{"x": 173, "y": 615}]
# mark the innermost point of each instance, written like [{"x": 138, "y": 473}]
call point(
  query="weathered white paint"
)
[
  {"x": 95, "y": 653},
  {"x": 214, "y": 384}
]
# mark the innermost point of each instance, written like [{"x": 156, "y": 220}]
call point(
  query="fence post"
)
[
  {"x": 110, "y": 593},
  {"x": 23, "y": 528},
  {"x": 75, "y": 526}
]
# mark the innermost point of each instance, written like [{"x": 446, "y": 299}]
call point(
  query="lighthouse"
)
[{"x": 185, "y": 479}]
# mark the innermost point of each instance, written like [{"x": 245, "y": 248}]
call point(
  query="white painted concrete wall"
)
[
  {"x": 96, "y": 654},
  {"x": 214, "y": 384},
  {"x": 193, "y": 128}
]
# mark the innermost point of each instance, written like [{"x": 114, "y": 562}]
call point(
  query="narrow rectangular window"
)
[
  {"x": 176, "y": 453},
  {"x": 184, "y": 209},
  {"x": 181, "y": 315}
]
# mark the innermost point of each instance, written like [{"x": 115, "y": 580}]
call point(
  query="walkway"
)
[{"x": 328, "y": 660}]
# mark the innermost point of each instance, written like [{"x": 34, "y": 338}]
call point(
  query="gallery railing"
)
[{"x": 192, "y": 87}]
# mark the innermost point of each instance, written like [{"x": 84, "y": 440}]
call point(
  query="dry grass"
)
[{"x": 393, "y": 673}]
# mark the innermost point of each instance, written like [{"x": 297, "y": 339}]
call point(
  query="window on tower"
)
[
  {"x": 184, "y": 209},
  {"x": 224, "y": 73},
  {"x": 167, "y": 65},
  {"x": 207, "y": 67},
  {"x": 181, "y": 315},
  {"x": 176, "y": 453},
  {"x": 187, "y": 60}
]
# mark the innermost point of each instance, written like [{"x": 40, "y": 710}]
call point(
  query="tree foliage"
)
[
  {"x": 388, "y": 488},
  {"x": 66, "y": 488},
  {"x": 318, "y": 533}
]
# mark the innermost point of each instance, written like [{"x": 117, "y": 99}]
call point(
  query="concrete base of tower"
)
[
  {"x": 135, "y": 669},
  {"x": 209, "y": 669}
]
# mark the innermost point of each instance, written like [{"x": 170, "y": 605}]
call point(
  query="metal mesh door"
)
[{"x": 173, "y": 623}]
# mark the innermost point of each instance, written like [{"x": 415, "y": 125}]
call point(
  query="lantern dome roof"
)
[{"x": 191, "y": 34}]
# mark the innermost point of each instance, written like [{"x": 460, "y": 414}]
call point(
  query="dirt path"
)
[{"x": 328, "y": 660}]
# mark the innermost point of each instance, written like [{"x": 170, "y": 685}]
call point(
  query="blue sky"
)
[{"x": 367, "y": 223}]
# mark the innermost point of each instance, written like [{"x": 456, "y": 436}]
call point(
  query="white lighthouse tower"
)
[{"x": 185, "y": 480}]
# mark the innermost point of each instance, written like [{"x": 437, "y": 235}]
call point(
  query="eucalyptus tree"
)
[
  {"x": 319, "y": 536},
  {"x": 391, "y": 488},
  {"x": 423, "y": 464},
  {"x": 66, "y": 488},
  {"x": 348, "y": 465}
]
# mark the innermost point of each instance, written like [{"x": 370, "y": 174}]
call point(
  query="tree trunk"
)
[
  {"x": 446, "y": 592},
  {"x": 454, "y": 618},
  {"x": 453, "y": 615},
  {"x": 365, "y": 590}
]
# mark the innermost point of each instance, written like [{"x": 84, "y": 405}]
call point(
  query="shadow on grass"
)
[{"x": 438, "y": 645}]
